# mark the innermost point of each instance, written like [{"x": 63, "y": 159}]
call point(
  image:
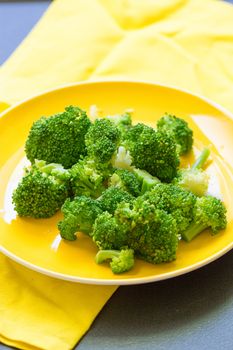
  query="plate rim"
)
[
  {"x": 117, "y": 282},
  {"x": 208, "y": 100},
  {"x": 129, "y": 281}
]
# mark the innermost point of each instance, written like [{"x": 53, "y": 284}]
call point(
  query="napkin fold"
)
[{"x": 186, "y": 43}]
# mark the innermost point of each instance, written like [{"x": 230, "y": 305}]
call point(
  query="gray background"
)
[{"x": 193, "y": 311}]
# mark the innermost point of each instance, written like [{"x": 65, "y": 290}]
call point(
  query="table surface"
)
[{"x": 193, "y": 311}]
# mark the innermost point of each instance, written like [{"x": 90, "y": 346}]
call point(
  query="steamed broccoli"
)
[
  {"x": 102, "y": 140},
  {"x": 123, "y": 122},
  {"x": 109, "y": 232},
  {"x": 111, "y": 181},
  {"x": 59, "y": 138},
  {"x": 150, "y": 232},
  {"x": 174, "y": 200},
  {"x": 42, "y": 190},
  {"x": 122, "y": 159},
  {"x": 153, "y": 151},
  {"x": 127, "y": 181},
  {"x": 88, "y": 177},
  {"x": 153, "y": 235},
  {"x": 194, "y": 179},
  {"x": 121, "y": 261},
  {"x": 147, "y": 180},
  {"x": 79, "y": 215},
  {"x": 179, "y": 129},
  {"x": 110, "y": 198},
  {"x": 209, "y": 212}
]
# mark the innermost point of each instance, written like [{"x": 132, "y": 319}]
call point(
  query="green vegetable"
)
[
  {"x": 119, "y": 184},
  {"x": 79, "y": 215},
  {"x": 88, "y": 178},
  {"x": 147, "y": 180},
  {"x": 150, "y": 232},
  {"x": 127, "y": 181},
  {"x": 102, "y": 140},
  {"x": 153, "y": 235},
  {"x": 174, "y": 200},
  {"x": 59, "y": 138},
  {"x": 109, "y": 232},
  {"x": 110, "y": 198},
  {"x": 42, "y": 190},
  {"x": 200, "y": 161},
  {"x": 195, "y": 179},
  {"x": 152, "y": 151},
  {"x": 122, "y": 261},
  {"x": 179, "y": 129},
  {"x": 209, "y": 212},
  {"x": 123, "y": 122},
  {"x": 122, "y": 159}
]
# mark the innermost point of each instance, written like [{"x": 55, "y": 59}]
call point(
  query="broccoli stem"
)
[
  {"x": 200, "y": 161},
  {"x": 148, "y": 181},
  {"x": 193, "y": 230},
  {"x": 103, "y": 255}
]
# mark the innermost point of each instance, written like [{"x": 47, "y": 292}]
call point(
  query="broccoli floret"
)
[
  {"x": 102, "y": 140},
  {"x": 194, "y": 179},
  {"x": 59, "y": 138},
  {"x": 150, "y": 232},
  {"x": 179, "y": 129},
  {"x": 147, "y": 180},
  {"x": 153, "y": 236},
  {"x": 42, "y": 190},
  {"x": 152, "y": 151},
  {"x": 121, "y": 261},
  {"x": 88, "y": 177},
  {"x": 127, "y": 181},
  {"x": 79, "y": 215},
  {"x": 123, "y": 122},
  {"x": 109, "y": 232},
  {"x": 209, "y": 212},
  {"x": 53, "y": 169},
  {"x": 174, "y": 200},
  {"x": 111, "y": 197}
]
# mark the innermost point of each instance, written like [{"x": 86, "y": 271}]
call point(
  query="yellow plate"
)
[{"x": 36, "y": 243}]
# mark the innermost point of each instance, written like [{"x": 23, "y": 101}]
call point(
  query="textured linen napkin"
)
[{"x": 186, "y": 43}]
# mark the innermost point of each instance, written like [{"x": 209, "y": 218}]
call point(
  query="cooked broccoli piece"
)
[
  {"x": 59, "y": 138},
  {"x": 110, "y": 198},
  {"x": 42, "y": 190},
  {"x": 153, "y": 236},
  {"x": 174, "y": 200},
  {"x": 127, "y": 181},
  {"x": 79, "y": 215},
  {"x": 209, "y": 212},
  {"x": 54, "y": 169},
  {"x": 147, "y": 180},
  {"x": 201, "y": 159},
  {"x": 123, "y": 122},
  {"x": 194, "y": 179},
  {"x": 102, "y": 140},
  {"x": 153, "y": 151},
  {"x": 109, "y": 232},
  {"x": 179, "y": 129},
  {"x": 122, "y": 159},
  {"x": 150, "y": 232},
  {"x": 122, "y": 260},
  {"x": 88, "y": 178}
]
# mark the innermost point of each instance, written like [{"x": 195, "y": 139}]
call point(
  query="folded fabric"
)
[{"x": 186, "y": 43}]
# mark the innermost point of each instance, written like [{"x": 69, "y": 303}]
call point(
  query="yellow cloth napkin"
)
[{"x": 186, "y": 43}]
